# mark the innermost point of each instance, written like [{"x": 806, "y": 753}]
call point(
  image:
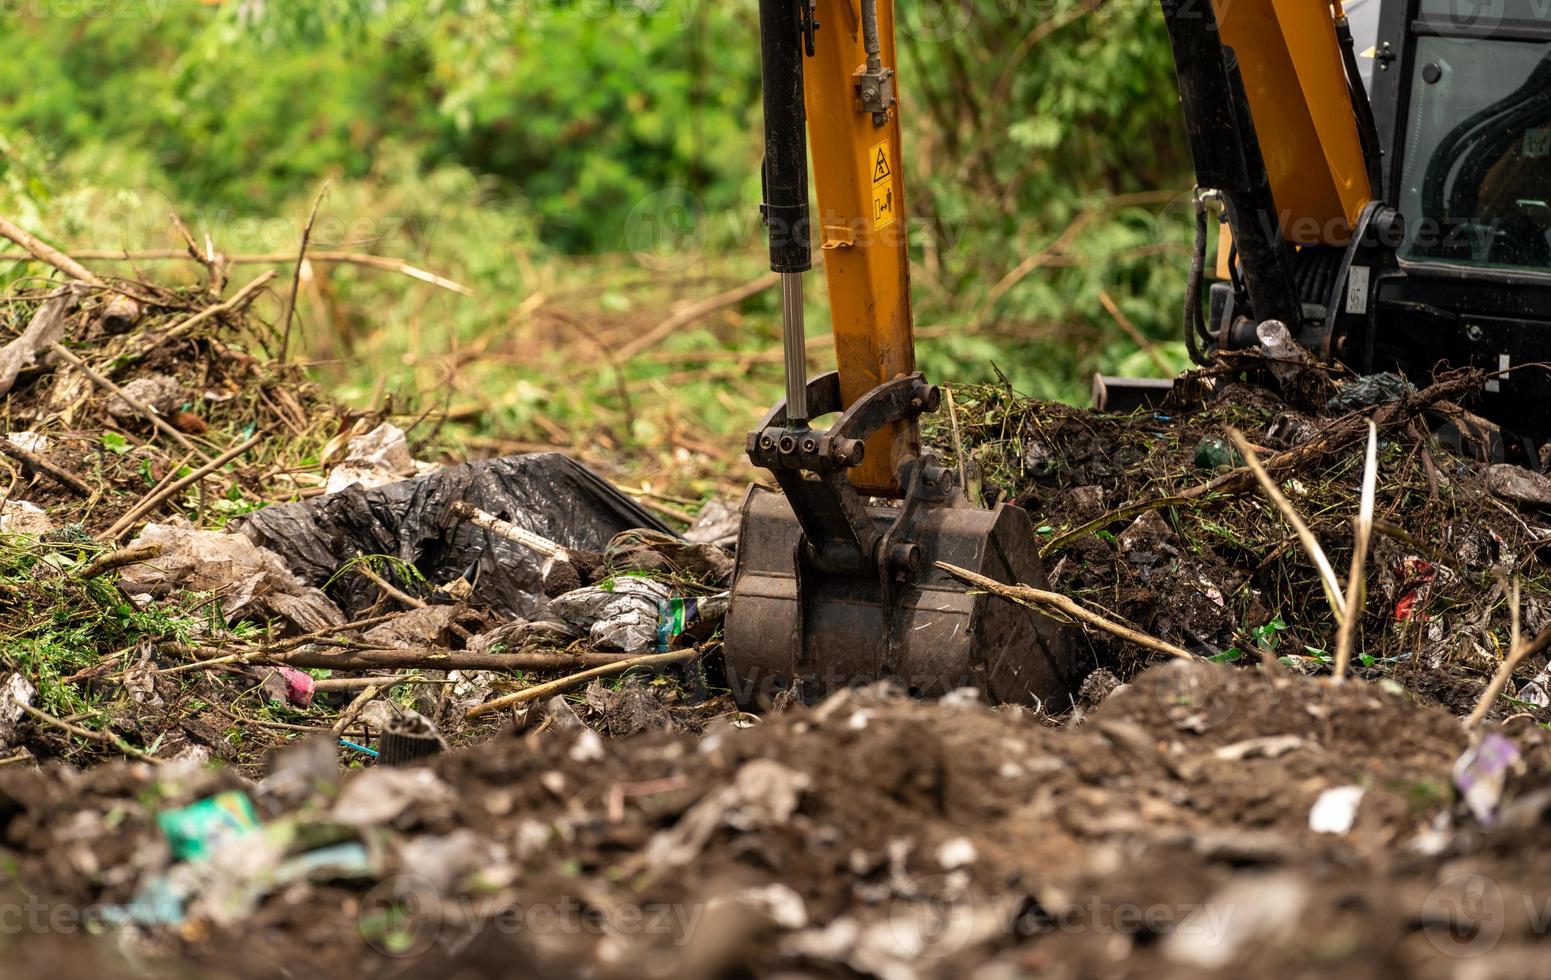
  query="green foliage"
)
[
  {"x": 56, "y": 624},
  {"x": 606, "y": 151}
]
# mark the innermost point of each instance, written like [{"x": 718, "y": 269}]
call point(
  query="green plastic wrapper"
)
[{"x": 196, "y": 831}]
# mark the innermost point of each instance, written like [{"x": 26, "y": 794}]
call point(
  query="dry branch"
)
[
  {"x": 150, "y": 413},
  {"x": 113, "y": 560},
  {"x": 157, "y": 496},
  {"x": 1039, "y": 598},
  {"x": 566, "y": 683},
  {"x": 428, "y": 658},
  {"x": 1347, "y": 631},
  {"x": 38, "y": 464},
  {"x": 45, "y": 327},
  {"x": 696, "y": 311},
  {"x": 383, "y": 263}
]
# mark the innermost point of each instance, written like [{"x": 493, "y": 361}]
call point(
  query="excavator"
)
[{"x": 1386, "y": 205}]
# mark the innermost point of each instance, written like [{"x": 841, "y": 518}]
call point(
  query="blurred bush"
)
[{"x": 494, "y": 139}]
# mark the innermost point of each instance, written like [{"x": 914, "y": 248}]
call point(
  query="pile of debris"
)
[
  {"x": 202, "y": 557},
  {"x": 1203, "y": 820},
  {"x": 1155, "y": 518}
]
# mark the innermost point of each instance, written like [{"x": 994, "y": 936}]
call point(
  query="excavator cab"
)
[{"x": 1388, "y": 199}]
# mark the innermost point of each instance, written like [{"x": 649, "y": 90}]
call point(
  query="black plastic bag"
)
[{"x": 546, "y": 493}]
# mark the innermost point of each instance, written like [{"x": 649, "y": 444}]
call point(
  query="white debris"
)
[
  {"x": 1336, "y": 810},
  {"x": 777, "y": 902},
  {"x": 15, "y": 691},
  {"x": 588, "y": 747},
  {"x": 618, "y": 615},
  {"x": 22, "y": 517},
  {"x": 378, "y": 796},
  {"x": 1248, "y": 910},
  {"x": 956, "y": 853},
  {"x": 28, "y": 441},
  {"x": 378, "y": 458},
  {"x": 1268, "y": 747}
]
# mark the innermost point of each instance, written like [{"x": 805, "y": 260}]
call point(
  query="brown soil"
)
[{"x": 921, "y": 840}]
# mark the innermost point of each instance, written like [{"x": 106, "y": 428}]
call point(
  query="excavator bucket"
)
[
  {"x": 791, "y": 623},
  {"x": 829, "y": 592}
]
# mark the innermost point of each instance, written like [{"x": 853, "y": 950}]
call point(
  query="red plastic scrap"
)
[{"x": 1416, "y": 576}]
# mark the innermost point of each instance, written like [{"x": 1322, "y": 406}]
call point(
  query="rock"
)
[
  {"x": 1519, "y": 484},
  {"x": 379, "y": 796},
  {"x": 1249, "y": 910},
  {"x": 158, "y": 392},
  {"x": 15, "y": 691},
  {"x": 1147, "y": 541},
  {"x": 21, "y": 517}
]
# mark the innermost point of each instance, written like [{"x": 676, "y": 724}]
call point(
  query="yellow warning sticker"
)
[
  {"x": 884, "y": 201},
  {"x": 879, "y": 157},
  {"x": 883, "y": 205}
]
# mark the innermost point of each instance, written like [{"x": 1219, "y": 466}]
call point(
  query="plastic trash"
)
[
  {"x": 194, "y": 832},
  {"x": 1481, "y": 775},
  {"x": 1370, "y": 390},
  {"x": 619, "y": 614},
  {"x": 290, "y": 685},
  {"x": 546, "y": 493},
  {"x": 1336, "y": 810},
  {"x": 253, "y": 582},
  {"x": 380, "y": 457},
  {"x": 677, "y": 616}
]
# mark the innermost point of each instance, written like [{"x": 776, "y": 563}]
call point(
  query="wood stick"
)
[
  {"x": 107, "y": 738},
  {"x": 566, "y": 683},
  {"x": 103, "y": 564},
  {"x": 296, "y": 273},
  {"x": 1137, "y": 337},
  {"x": 1347, "y": 632},
  {"x": 1053, "y": 600},
  {"x": 1311, "y": 545},
  {"x": 156, "y": 497},
  {"x": 38, "y": 464},
  {"x": 435, "y": 658},
  {"x": 354, "y": 709},
  {"x": 45, "y": 327},
  {"x": 48, "y": 254},
  {"x": 133, "y": 402},
  {"x": 351, "y": 683},
  {"x": 696, "y": 311},
  {"x": 510, "y": 531},
  {"x": 383, "y": 263}
]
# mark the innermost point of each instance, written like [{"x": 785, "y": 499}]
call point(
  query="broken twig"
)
[
  {"x": 1029, "y": 596},
  {"x": 38, "y": 464},
  {"x": 566, "y": 683}
]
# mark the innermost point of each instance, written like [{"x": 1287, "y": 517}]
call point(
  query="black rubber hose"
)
[{"x": 1195, "y": 323}]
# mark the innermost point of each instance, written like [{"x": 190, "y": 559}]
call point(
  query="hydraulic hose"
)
[{"x": 1195, "y": 323}]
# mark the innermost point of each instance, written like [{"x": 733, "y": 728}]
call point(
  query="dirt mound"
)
[{"x": 1167, "y": 834}]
